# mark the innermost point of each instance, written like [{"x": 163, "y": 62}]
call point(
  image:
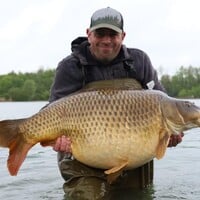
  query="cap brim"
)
[{"x": 110, "y": 26}]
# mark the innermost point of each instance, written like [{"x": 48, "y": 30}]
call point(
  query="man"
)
[{"x": 100, "y": 56}]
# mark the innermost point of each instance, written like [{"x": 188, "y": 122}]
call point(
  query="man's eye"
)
[
  {"x": 113, "y": 34},
  {"x": 100, "y": 34},
  {"x": 105, "y": 33}
]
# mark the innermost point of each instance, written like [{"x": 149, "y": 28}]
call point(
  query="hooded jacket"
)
[{"x": 80, "y": 68}]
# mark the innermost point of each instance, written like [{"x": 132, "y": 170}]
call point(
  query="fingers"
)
[
  {"x": 182, "y": 134},
  {"x": 175, "y": 139},
  {"x": 63, "y": 144}
]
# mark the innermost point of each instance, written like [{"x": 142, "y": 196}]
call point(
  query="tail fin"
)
[{"x": 11, "y": 138}]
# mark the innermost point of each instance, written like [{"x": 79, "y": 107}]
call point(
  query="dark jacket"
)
[{"x": 76, "y": 70}]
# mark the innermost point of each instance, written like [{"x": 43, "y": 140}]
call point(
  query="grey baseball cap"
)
[{"x": 107, "y": 18}]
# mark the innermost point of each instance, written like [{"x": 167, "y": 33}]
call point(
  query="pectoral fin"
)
[
  {"x": 114, "y": 172},
  {"x": 162, "y": 146}
]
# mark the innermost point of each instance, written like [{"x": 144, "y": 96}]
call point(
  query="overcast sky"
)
[{"x": 38, "y": 33}]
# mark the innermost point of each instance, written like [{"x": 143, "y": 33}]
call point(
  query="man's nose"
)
[{"x": 106, "y": 38}]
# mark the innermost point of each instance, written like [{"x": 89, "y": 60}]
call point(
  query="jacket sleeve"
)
[{"x": 68, "y": 79}]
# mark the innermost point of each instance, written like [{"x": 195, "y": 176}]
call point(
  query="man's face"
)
[{"x": 105, "y": 43}]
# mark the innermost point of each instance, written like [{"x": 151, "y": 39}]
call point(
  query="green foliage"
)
[
  {"x": 185, "y": 83},
  {"x": 36, "y": 86},
  {"x": 27, "y": 86}
]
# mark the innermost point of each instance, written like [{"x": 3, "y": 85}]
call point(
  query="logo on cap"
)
[{"x": 107, "y": 18}]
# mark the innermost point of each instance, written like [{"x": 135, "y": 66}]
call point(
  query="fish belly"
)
[{"x": 116, "y": 127}]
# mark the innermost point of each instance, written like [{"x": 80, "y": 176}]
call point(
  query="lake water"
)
[{"x": 176, "y": 176}]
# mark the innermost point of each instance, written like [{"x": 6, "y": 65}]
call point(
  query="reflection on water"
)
[
  {"x": 90, "y": 187},
  {"x": 126, "y": 194},
  {"x": 176, "y": 176},
  {"x": 129, "y": 194}
]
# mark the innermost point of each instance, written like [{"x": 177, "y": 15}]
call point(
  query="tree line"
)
[
  {"x": 26, "y": 86},
  {"x": 185, "y": 83}
]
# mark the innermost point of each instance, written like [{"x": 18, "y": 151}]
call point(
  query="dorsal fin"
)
[{"x": 125, "y": 83}]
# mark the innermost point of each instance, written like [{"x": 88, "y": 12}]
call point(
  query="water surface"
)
[{"x": 176, "y": 176}]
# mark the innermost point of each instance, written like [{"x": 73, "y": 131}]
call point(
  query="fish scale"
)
[
  {"x": 119, "y": 125},
  {"x": 113, "y": 125}
]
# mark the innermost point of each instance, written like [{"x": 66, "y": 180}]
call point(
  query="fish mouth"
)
[
  {"x": 190, "y": 114},
  {"x": 176, "y": 128}
]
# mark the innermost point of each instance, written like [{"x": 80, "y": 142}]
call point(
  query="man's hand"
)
[
  {"x": 62, "y": 144},
  {"x": 175, "y": 139}
]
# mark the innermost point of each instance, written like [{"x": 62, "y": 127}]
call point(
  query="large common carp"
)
[{"x": 111, "y": 126}]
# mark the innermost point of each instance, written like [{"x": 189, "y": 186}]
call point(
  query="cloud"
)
[
  {"x": 43, "y": 16},
  {"x": 35, "y": 32},
  {"x": 184, "y": 15}
]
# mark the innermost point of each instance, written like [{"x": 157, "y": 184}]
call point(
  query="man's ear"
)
[
  {"x": 123, "y": 35},
  {"x": 88, "y": 32}
]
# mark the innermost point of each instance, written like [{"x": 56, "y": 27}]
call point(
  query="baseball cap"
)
[{"x": 107, "y": 18}]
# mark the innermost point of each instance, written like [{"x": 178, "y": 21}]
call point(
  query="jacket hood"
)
[{"x": 77, "y": 42}]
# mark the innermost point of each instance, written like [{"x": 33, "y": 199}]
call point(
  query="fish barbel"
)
[{"x": 113, "y": 125}]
